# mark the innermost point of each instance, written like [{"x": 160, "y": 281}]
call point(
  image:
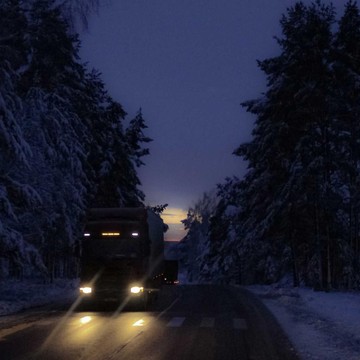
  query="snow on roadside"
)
[
  {"x": 320, "y": 325},
  {"x": 20, "y": 295}
]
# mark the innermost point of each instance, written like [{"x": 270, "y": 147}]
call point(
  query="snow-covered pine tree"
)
[
  {"x": 120, "y": 185},
  {"x": 346, "y": 65},
  {"x": 135, "y": 138},
  {"x": 298, "y": 206},
  {"x": 51, "y": 81},
  {"x": 288, "y": 190},
  {"x": 114, "y": 165},
  {"x": 223, "y": 261},
  {"x": 63, "y": 139},
  {"x": 194, "y": 248},
  {"x": 91, "y": 106},
  {"x": 15, "y": 152}
]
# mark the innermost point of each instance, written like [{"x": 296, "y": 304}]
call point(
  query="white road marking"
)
[
  {"x": 207, "y": 322},
  {"x": 239, "y": 324},
  {"x": 176, "y": 322}
]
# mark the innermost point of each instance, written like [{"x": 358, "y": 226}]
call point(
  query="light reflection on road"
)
[
  {"x": 85, "y": 319},
  {"x": 93, "y": 332},
  {"x": 139, "y": 323}
]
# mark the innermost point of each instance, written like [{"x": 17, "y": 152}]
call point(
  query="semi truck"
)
[{"x": 122, "y": 255}]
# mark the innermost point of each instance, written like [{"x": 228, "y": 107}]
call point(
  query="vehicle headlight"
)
[
  {"x": 86, "y": 290},
  {"x": 136, "y": 289}
]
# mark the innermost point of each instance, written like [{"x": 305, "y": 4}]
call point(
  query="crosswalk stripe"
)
[
  {"x": 176, "y": 322},
  {"x": 207, "y": 322},
  {"x": 239, "y": 324}
]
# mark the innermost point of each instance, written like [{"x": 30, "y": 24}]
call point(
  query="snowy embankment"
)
[
  {"x": 20, "y": 295},
  {"x": 320, "y": 325}
]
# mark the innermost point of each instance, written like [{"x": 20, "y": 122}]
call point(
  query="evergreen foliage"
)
[
  {"x": 158, "y": 209},
  {"x": 297, "y": 208},
  {"x": 193, "y": 248},
  {"x": 63, "y": 145}
]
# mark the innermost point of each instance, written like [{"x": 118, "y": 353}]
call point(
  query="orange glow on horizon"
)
[{"x": 172, "y": 217}]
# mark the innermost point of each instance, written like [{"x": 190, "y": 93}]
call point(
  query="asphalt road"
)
[{"x": 188, "y": 322}]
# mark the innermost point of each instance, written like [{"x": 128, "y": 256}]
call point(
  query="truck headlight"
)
[
  {"x": 86, "y": 290},
  {"x": 136, "y": 289}
]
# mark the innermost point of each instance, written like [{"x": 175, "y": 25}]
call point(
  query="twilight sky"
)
[{"x": 188, "y": 64}]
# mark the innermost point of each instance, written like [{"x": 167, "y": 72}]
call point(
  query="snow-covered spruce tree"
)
[
  {"x": 193, "y": 249},
  {"x": 297, "y": 207},
  {"x": 290, "y": 197},
  {"x": 346, "y": 65},
  {"x": 221, "y": 261},
  {"x": 104, "y": 120},
  {"x": 57, "y": 135},
  {"x": 16, "y": 196},
  {"x": 119, "y": 182},
  {"x": 135, "y": 137},
  {"x": 136, "y": 142},
  {"x": 91, "y": 105},
  {"x": 64, "y": 143}
]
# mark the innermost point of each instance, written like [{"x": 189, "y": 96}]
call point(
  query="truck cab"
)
[{"x": 122, "y": 255}]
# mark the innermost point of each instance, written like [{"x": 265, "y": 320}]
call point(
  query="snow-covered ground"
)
[
  {"x": 321, "y": 326},
  {"x": 20, "y": 295}
]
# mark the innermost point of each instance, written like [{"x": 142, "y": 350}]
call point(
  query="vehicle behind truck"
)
[
  {"x": 171, "y": 268},
  {"x": 122, "y": 255}
]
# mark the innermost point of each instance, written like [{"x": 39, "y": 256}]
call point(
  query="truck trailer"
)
[{"x": 122, "y": 255}]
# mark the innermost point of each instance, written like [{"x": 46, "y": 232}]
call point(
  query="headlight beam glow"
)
[
  {"x": 86, "y": 290},
  {"x": 136, "y": 289}
]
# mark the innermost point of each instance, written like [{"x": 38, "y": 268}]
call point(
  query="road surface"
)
[{"x": 192, "y": 322}]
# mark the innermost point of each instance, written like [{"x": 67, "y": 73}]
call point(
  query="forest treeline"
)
[
  {"x": 297, "y": 209},
  {"x": 65, "y": 143}
]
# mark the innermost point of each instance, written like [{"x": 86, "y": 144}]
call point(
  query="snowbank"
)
[
  {"x": 20, "y": 295},
  {"x": 320, "y": 325}
]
